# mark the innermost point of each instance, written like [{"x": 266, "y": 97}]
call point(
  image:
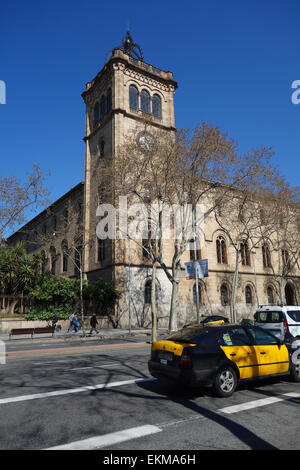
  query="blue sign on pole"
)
[
  {"x": 202, "y": 269},
  {"x": 202, "y": 266}
]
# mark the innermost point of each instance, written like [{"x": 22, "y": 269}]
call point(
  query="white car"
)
[{"x": 283, "y": 322}]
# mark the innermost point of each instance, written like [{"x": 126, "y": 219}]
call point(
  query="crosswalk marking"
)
[
  {"x": 110, "y": 439},
  {"x": 257, "y": 403},
  {"x": 87, "y": 388}
]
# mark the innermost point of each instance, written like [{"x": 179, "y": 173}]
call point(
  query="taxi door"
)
[
  {"x": 273, "y": 358},
  {"x": 237, "y": 346}
]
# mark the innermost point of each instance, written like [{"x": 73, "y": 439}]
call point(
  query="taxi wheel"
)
[
  {"x": 225, "y": 382},
  {"x": 295, "y": 370}
]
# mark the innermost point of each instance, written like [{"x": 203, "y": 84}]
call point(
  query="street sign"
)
[{"x": 202, "y": 269}]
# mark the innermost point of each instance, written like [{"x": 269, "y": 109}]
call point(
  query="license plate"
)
[
  {"x": 164, "y": 361},
  {"x": 163, "y": 355}
]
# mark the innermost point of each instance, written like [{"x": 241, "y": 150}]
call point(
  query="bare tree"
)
[
  {"x": 179, "y": 171},
  {"x": 281, "y": 222},
  {"x": 16, "y": 198}
]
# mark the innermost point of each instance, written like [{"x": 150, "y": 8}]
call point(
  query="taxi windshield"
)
[{"x": 187, "y": 335}]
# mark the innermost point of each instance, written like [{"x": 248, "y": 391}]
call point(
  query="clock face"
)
[{"x": 145, "y": 140}]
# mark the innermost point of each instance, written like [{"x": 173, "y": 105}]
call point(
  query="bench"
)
[{"x": 31, "y": 331}]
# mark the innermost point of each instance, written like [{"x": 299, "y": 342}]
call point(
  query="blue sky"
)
[{"x": 234, "y": 63}]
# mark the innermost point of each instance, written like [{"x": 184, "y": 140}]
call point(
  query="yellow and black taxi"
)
[{"x": 221, "y": 355}]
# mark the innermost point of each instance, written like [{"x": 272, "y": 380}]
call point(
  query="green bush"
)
[{"x": 62, "y": 313}]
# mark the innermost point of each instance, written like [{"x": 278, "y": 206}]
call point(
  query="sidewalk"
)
[{"x": 114, "y": 333}]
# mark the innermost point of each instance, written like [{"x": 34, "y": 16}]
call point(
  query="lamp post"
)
[{"x": 195, "y": 267}]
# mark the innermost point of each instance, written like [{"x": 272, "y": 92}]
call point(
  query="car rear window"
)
[
  {"x": 295, "y": 315},
  {"x": 269, "y": 317},
  {"x": 187, "y": 335}
]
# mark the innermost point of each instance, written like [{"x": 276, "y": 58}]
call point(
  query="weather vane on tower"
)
[{"x": 128, "y": 47}]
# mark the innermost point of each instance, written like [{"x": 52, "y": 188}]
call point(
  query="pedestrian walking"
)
[
  {"x": 93, "y": 323},
  {"x": 54, "y": 320},
  {"x": 74, "y": 323}
]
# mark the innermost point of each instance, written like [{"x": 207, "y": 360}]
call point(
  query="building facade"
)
[{"x": 126, "y": 92}]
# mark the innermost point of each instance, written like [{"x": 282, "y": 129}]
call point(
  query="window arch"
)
[
  {"x": 248, "y": 295},
  {"x": 102, "y": 107},
  {"x": 147, "y": 291},
  {"x": 133, "y": 97},
  {"x": 221, "y": 250},
  {"x": 108, "y": 100},
  {"x": 270, "y": 295},
  {"x": 145, "y": 101},
  {"x": 224, "y": 295},
  {"x": 156, "y": 106},
  {"x": 266, "y": 256},
  {"x": 96, "y": 113}
]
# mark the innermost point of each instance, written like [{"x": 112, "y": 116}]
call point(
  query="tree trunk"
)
[
  {"x": 81, "y": 301},
  {"x": 174, "y": 300},
  {"x": 11, "y": 307},
  {"x": 234, "y": 288},
  {"x": 153, "y": 302}
]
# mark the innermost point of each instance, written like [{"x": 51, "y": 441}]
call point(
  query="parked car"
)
[
  {"x": 221, "y": 355},
  {"x": 209, "y": 319},
  {"x": 283, "y": 322}
]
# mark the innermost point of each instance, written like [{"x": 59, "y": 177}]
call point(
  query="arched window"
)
[
  {"x": 147, "y": 291},
  {"x": 245, "y": 254},
  {"x": 156, "y": 106},
  {"x": 289, "y": 294},
  {"x": 53, "y": 259},
  {"x": 102, "y": 107},
  {"x": 248, "y": 295},
  {"x": 270, "y": 295},
  {"x": 133, "y": 97},
  {"x": 224, "y": 295},
  {"x": 108, "y": 100},
  {"x": 64, "y": 248},
  {"x": 96, "y": 113},
  {"x": 195, "y": 293},
  {"x": 266, "y": 256},
  {"x": 221, "y": 250},
  {"x": 286, "y": 260},
  {"x": 145, "y": 101}
]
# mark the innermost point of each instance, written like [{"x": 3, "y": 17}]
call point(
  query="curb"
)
[{"x": 66, "y": 337}]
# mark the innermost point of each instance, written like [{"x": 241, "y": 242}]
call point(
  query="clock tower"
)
[{"x": 122, "y": 96}]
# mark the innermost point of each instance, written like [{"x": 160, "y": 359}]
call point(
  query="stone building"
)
[{"x": 125, "y": 92}]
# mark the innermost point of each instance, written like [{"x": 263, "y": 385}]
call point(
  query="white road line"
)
[
  {"x": 257, "y": 403},
  {"x": 94, "y": 367},
  {"x": 113, "y": 438},
  {"x": 36, "y": 396}
]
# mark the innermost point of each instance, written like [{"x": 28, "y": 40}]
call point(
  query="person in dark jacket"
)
[{"x": 93, "y": 322}]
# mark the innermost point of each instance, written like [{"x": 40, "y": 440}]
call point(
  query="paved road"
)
[{"x": 100, "y": 396}]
